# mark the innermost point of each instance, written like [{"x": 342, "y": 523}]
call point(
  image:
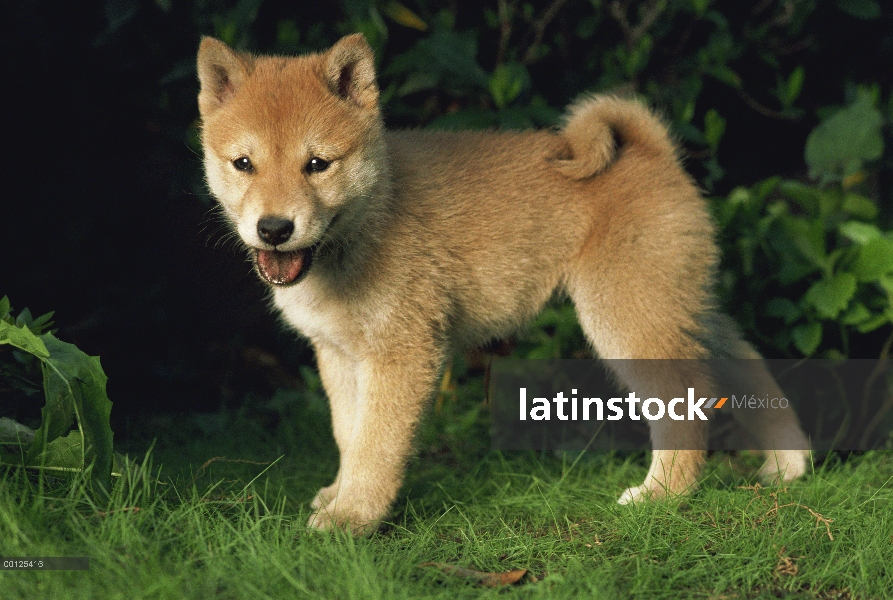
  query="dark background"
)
[{"x": 106, "y": 221}]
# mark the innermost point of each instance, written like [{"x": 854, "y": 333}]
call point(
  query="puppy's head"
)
[{"x": 290, "y": 146}]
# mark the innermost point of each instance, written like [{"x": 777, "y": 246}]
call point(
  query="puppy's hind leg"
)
[
  {"x": 641, "y": 285},
  {"x": 625, "y": 329},
  {"x": 678, "y": 446},
  {"x": 777, "y": 432}
]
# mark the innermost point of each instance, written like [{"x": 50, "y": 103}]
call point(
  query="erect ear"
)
[
  {"x": 221, "y": 71},
  {"x": 350, "y": 71}
]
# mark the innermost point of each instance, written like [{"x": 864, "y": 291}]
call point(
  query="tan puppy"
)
[{"x": 390, "y": 250}]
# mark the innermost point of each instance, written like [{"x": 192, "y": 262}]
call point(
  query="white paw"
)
[
  {"x": 783, "y": 465},
  {"x": 357, "y": 520},
  {"x": 640, "y": 493},
  {"x": 324, "y": 496}
]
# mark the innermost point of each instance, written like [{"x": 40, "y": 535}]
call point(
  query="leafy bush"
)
[
  {"x": 813, "y": 263},
  {"x": 517, "y": 64},
  {"x": 74, "y": 390}
]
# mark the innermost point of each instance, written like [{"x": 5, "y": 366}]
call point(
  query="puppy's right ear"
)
[
  {"x": 221, "y": 72},
  {"x": 350, "y": 71}
]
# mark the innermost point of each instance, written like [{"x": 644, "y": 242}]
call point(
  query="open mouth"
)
[
  {"x": 287, "y": 268},
  {"x": 283, "y": 268}
]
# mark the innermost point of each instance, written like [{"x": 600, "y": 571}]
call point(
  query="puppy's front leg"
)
[
  {"x": 392, "y": 389},
  {"x": 338, "y": 372}
]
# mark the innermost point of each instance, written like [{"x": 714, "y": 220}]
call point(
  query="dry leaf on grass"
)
[{"x": 482, "y": 578}]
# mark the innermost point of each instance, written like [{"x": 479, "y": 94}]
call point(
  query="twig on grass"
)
[
  {"x": 774, "y": 510},
  {"x": 201, "y": 470},
  {"x": 819, "y": 517}
]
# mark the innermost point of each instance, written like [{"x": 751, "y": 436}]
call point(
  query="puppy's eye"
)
[
  {"x": 243, "y": 163},
  {"x": 315, "y": 165}
]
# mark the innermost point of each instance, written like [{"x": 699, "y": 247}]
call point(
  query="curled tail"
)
[{"x": 593, "y": 126}]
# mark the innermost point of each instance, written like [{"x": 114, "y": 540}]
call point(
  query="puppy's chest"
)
[{"x": 318, "y": 316}]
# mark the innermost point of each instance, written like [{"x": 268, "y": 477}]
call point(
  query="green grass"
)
[{"x": 234, "y": 527}]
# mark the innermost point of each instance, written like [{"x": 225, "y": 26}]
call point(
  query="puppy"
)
[{"x": 389, "y": 250}]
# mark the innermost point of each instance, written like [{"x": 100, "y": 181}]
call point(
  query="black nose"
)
[{"x": 275, "y": 230}]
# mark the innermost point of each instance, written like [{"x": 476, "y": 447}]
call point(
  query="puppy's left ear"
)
[
  {"x": 221, "y": 72},
  {"x": 350, "y": 71}
]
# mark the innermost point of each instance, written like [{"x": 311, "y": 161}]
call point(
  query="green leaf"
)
[
  {"x": 541, "y": 113},
  {"x": 808, "y": 197},
  {"x": 40, "y": 324},
  {"x": 838, "y": 146},
  {"x": 418, "y": 82},
  {"x": 544, "y": 351},
  {"x": 809, "y": 238},
  {"x": 793, "y": 87},
  {"x": 24, "y": 318},
  {"x": 507, "y": 82},
  {"x": 762, "y": 189},
  {"x": 859, "y": 206},
  {"x": 445, "y": 57},
  {"x": 836, "y": 255},
  {"x": 688, "y": 132},
  {"x": 739, "y": 195},
  {"x": 859, "y": 232},
  {"x": 74, "y": 385},
  {"x": 793, "y": 270},
  {"x": 783, "y": 308},
  {"x": 4, "y": 306},
  {"x": 872, "y": 324},
  {"x": 727, "y": 208},
  {"x": 875, "y": 260},
  {"x": 831, "y": 295},
  {"x": 726, "y": 75},
  {"x": 856, "y": 314},
  {"x": 699, "y": 6},
  {"x": 807, "y": 337},
  {"x": 637, "y": 58},
  {"x": 23, "y": 339},
  {"x": 288, "y": 36},
  {"x": 64, "y": 454},
  {"x": 714, "y": 128}
]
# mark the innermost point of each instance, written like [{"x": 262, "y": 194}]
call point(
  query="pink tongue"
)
[{"x": 280, "y": 267}]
